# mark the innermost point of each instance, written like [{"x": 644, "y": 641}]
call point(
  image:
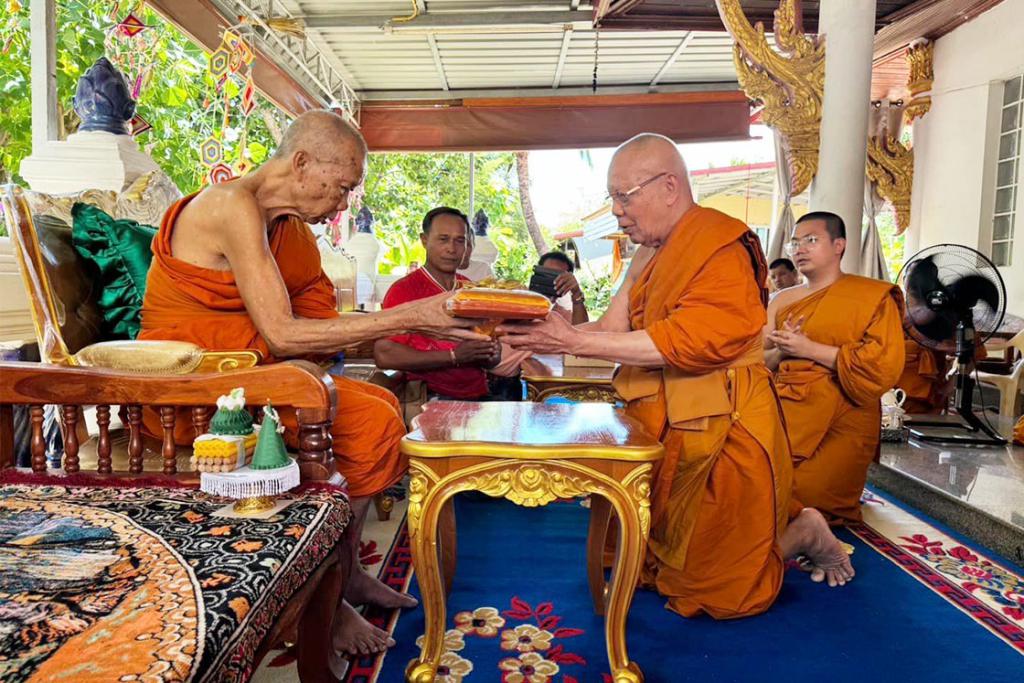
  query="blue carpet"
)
[{"x": 885, "y": 626}]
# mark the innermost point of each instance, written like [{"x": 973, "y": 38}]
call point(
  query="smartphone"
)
[{"x": 543, "y": 281}]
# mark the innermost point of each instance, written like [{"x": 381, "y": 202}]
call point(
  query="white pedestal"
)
[{"x": 86, "y": 161}]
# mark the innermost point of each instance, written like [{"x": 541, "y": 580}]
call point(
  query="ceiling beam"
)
[
  {"x": 441, "y": 96},
  {"x": 430, "y": 20},
  {"x": 672, "y": 58},
  {"x": 437, "y": 62},
  {"x": 566, "y": 39}
]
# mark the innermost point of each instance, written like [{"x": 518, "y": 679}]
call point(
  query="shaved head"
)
[
  {"x": 652, "y": 153},
  {"x": 649, "y": 187},
  {"x": 321, "y": 159},
  {"x": 316, "y": 131}
]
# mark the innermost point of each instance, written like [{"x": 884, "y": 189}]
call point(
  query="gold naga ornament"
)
[
  {"x": 890, "y": 162},
  {"x": 891, "y": 168},
  {"x": 789, "y": 80},
  {"x": 920, "y": 56}
]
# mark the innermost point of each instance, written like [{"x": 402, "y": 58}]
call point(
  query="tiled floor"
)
[{"x": 988, "y": 478}]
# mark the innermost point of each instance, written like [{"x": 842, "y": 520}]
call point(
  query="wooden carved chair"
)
[{"x": 66, "y": 317}]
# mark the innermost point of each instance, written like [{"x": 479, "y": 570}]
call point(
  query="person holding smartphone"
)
[{"x": 557, "y": 268}]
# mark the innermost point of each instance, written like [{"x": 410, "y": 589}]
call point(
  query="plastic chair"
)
[{"x": 1010, "y": 385}]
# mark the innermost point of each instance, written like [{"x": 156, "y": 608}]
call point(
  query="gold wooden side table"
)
[
  {"x": 531, "y": 454},
  {"x": 547, "y": 376}
]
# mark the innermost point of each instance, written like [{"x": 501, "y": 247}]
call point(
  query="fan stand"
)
[{"x": 986, "y": 436}]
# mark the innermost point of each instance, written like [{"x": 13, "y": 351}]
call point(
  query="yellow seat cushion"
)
[{"x": 142, "y": 357}]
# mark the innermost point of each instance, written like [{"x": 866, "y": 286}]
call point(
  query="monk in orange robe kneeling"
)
[
  {"x": 837, "y": 342},
  {"x": 237, "y": 267},
  {"x": 686, "y": 327},
  {"x": 924, "y": 379}
]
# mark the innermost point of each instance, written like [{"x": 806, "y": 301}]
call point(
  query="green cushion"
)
[{"x": 121, "y": 250}]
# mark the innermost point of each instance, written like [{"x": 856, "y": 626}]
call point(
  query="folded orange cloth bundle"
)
[{"x": 498, "y": 304}]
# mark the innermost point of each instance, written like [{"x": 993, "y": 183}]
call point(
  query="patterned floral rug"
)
[
  {"x": 145, "y": 584},
  {"x": 520, "y": 611}
]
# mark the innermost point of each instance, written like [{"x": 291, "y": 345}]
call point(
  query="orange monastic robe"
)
[
  {"x": 720, "y": 496},
  {"x": 188, "y": 303},
  {"x": 923, "y": 378},
  {"x": 834, "y": 416}
]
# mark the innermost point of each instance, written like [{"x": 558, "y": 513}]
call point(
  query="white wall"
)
[
  {"x": 954, "y": 144},
  {"x": 15, "y": 318}
]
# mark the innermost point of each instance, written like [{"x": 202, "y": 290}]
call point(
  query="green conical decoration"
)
[
  {"x": 231, "y": 417},
  {"x": 270, "y": 451}
]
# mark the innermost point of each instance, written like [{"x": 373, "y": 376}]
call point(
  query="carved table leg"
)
[
  {"x": 597, "y": 536},
  {"x": 447, "y": 544},
  {"x": 424, "y": 510},
  {"x": 628, "y": 558}
]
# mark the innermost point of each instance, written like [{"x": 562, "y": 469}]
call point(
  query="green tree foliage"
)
[
  {"x": 172, "y": 102},
  {"x": 401, "y": 188}
]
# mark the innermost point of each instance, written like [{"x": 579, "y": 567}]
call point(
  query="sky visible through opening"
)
[{"x": 564, "y": 188}]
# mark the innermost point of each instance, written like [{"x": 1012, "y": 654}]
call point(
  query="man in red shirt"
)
[{"x": 449, "y": 369}]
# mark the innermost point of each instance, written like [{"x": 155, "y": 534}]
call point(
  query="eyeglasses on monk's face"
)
[
  {"x": 807, "y": 242},
  {"x": 623, "y": 198}
]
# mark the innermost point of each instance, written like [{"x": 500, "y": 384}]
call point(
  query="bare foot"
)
[
  {"x": 809, "y": 534},
  {"x": 364, "y": 589},
  {"x": 355, "y": 636}
]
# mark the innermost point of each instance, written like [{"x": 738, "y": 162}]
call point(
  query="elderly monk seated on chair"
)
[
  {"x": 449, "y": 369},
  {"x": 837, "y": 344},
  {"x": 686, "y": 328},
  {"x": 235, "y": 266}
]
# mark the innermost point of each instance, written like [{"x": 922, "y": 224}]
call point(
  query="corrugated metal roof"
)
[{"x": 473, "y": 47}]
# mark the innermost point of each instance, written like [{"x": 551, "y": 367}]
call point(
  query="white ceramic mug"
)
[{"x": 894, "y": 398}]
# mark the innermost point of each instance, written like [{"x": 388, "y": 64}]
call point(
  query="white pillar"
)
[
  {"x": 43, "y": 54},
  {"x": 849, "y": 30}
]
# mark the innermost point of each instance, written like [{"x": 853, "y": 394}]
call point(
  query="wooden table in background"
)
[
  {"x": 547, "y": 376},
  {"x": 530, "y": 454}
]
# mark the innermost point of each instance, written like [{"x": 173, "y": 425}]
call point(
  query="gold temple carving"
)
[
  {"x": 891, "y": 168},
  {"x": 920, "y": 58},
  {"x": 788, "y": 79}
]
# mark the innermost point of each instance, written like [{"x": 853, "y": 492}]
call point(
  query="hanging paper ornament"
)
[
  {"x": 220, "y": 62},
  {"x": 131, "y": 26},
  {"x": 248, "y": 96},
  {"x": 245, "y": 53},
  {"x": 139, "y": 125},
  {"x": 211, "y": 152},
  {"x": 219, "y": 174}
]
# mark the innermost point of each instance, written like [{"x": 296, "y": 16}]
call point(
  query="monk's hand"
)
[
  {"x": 429, "y": 317},
  {"x": 554, "y": 334},
  {"x": 791, "y": 325},
  {"x": 792, "y": 344}
]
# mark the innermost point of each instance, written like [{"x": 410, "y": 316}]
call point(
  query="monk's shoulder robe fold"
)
[{"x": 870, "y": 366}]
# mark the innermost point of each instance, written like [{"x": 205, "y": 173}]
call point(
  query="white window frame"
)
[{"x": 1008, "y": 214}]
